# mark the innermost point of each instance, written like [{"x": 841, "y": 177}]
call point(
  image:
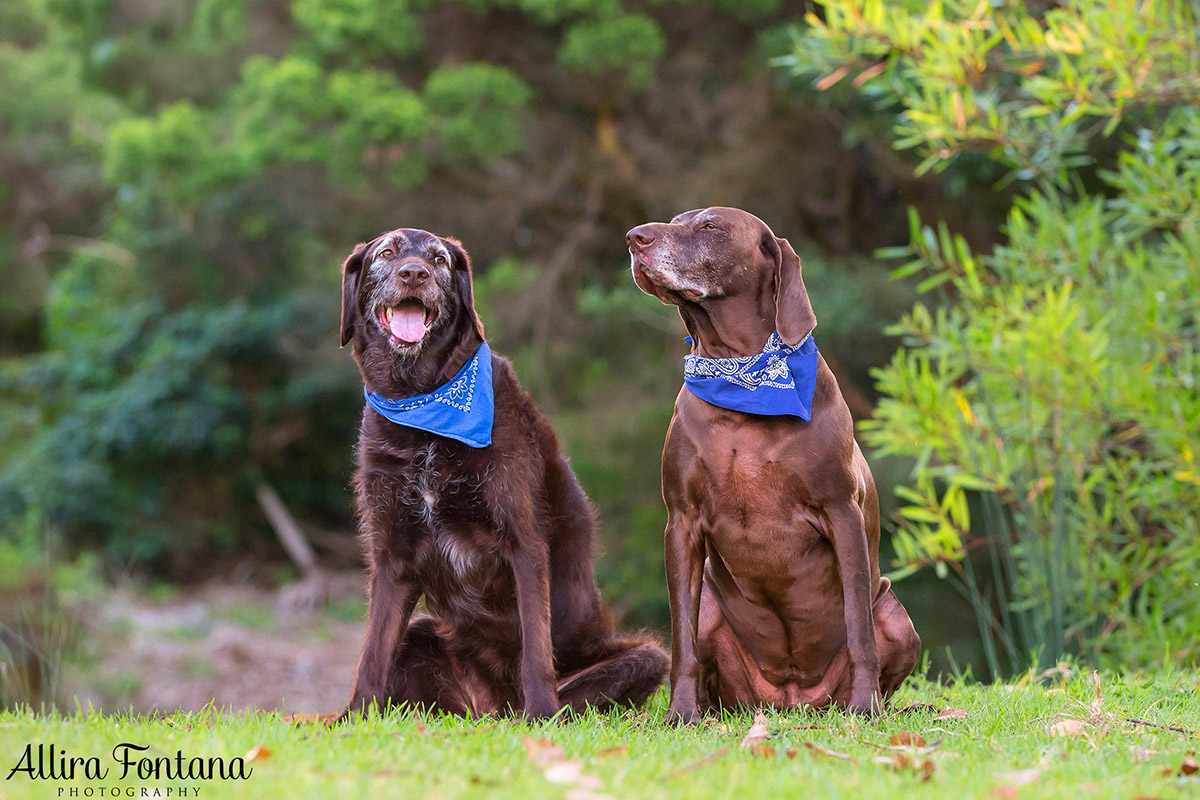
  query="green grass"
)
[{"x": 1006, "y": 729}]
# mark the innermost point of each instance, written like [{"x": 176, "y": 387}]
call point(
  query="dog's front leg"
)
[
  {"x": 531, "y": 571},
  {"x": 393, "y": 596},
  {"x": 685, "y": 571},
  {"x": 854, "y": 569}
]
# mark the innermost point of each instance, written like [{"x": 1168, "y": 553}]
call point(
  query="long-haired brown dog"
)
[{"x": 498, "y": 539}]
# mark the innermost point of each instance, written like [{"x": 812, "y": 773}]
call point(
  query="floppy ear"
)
[
  {"x": 351, "y": 277},
  {"x": 462, "y": 277},
  {"x": 794, "y": 317}
]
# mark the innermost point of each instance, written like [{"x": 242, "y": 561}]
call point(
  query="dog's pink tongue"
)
[{"x": 408, "y": 324}]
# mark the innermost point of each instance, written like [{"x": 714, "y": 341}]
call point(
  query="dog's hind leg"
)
[
  {"x": 896, "y": 640},
  {"x": 628, "y": 675}
]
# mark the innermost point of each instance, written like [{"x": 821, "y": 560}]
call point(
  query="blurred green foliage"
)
[
  {"x": 1049, "y": 400},
  {"x": 180, "y": 181},
  {"x": 1029, "y": 85}
]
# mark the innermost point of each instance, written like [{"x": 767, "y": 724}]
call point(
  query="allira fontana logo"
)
[{"x": 127, "y": 761}]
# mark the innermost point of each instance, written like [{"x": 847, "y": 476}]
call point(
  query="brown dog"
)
[
  {"x": 772, "y": 539},
  {"x": 497, "y": 538}
]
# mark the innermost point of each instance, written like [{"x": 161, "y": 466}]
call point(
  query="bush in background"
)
[
  {"x": 180, "y": 181},
  {"x": 1050, "y": 403}
]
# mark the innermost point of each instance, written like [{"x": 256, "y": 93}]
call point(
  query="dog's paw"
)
[
  {"x": 865, "y": 703},
  {"x": 684, "y": 715},
  {"x": 539, "y": 712}
]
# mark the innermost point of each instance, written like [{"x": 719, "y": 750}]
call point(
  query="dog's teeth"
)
[{"x": 387, "y": 314}]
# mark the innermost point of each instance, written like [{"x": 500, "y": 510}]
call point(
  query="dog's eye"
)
[
  {"x": 385, "y": 253},
  {"x": 708, "y": 226},
  {"x": 439, "y": 259}
]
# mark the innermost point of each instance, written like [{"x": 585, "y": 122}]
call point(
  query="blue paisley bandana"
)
[
  {"x": 778, "y": 381},
  {"x": 461, "y": 409}
]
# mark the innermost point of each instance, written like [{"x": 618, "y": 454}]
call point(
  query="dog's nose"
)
[
  {"x": 640, "y": 237},
  {"x": 413, "y": 274}
]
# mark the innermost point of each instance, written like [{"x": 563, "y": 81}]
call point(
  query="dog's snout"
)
[
  {"x": 413, "y": 274},
  {"x": 640, "y": 237}
]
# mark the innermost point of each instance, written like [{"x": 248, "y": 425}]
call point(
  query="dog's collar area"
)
[
  {"x": 779, "y": 381},
  {"x": 462, "y": 409}
]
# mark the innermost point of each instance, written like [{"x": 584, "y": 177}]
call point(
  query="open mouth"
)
[{"x": 407, "y": 322}]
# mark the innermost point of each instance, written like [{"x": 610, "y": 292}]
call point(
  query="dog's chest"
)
[
  {"x": 750, "y": 479},
  {"x": 751, "y": 487},
  {"x": 443, "y": 522}
]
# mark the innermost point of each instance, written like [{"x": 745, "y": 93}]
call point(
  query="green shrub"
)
[{"x": 1050, "y": 399}]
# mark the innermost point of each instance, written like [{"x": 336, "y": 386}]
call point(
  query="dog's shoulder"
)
[
  {"x": 520, "y": 424},
  {"x": 513, "y": 401}
]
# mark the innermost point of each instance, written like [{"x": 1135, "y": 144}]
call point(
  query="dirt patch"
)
[{"x": 235, "y": 646}]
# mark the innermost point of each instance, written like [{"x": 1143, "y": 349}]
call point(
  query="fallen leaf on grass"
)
[
  {"x": 258, "y": 753},
  {"x": 763, "y": 751},
  {"x": 757, "y": 734},
  {"x": 1066, "y": 727},
  {"x": 906, "y": 739},
  {"x": 559, "y": 769},
  {"x": 1144, "y": 755},
  {"x": 609, "y": 752},
  {"x": 311, "y": 719},
  {"x": 901, "y": 762},
  {"x": 911, "y": 743},
  {"x": 1189, "y": 766},
  {"x": 953, "y": 713},
  {"x": 543, "y": 752},
  {"x": 566, "y": 772},
  {"x": 1022, "y": 777},
  {"x": 825, "y": 751}
]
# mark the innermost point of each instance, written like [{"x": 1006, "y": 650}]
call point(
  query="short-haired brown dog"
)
[{"x": 772, "y": 539}]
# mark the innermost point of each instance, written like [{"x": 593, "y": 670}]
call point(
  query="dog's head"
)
[
  {"x": 406, "y": 298},
  {"x": 724, "y": 256}
]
